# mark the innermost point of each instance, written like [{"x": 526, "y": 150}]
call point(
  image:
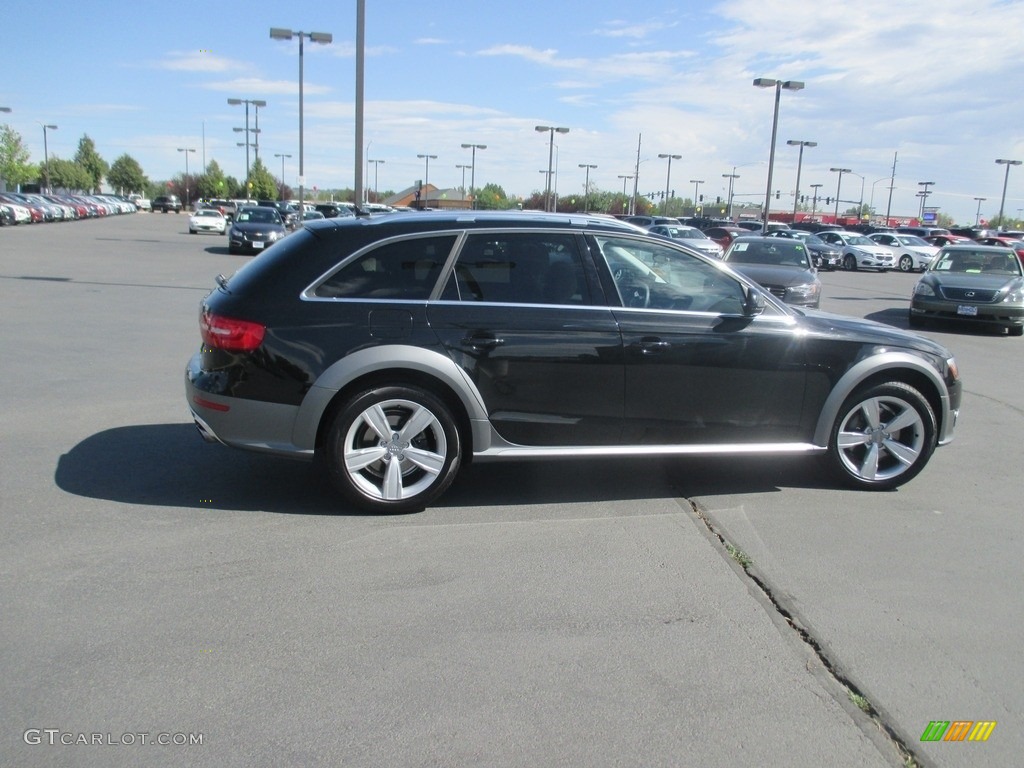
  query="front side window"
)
[
  {"x": 402, "y": 269},
  {"x": 519, "y": 268},
  {"x": 650, "y": 276}
]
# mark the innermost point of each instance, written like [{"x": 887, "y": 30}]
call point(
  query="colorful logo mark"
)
[{"x": 958, "y": 730}]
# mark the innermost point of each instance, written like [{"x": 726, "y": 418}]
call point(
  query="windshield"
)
[
  {"x": 860, "y": 240},
  {"x": 259, "y": 216},
  {"x": 976, "y": 262},
  {"x": 912, "y": 240},
  {"x": 775, "y": 253}
]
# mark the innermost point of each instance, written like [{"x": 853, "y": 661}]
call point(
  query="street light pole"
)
[
  {"x": 1006, "y": 180},
  {"x": 625, "y": 209},
  {"x": 696, "y": 186},
  {"x": 186, "y": 150},
  {"x": 799, "y": 166},
  {"x": 551, "y": 156},
  {"x": 376, "y": 167},
  {"x": 257, "y": 103},
  {"x": 789, "y": 85},
  {"x": 977, "y": 216},
  {"x": 276, "y": 33},
  {"x": 46, "y": 152},
  {"x": 731, "y": 177},
  {"x": 472, "y": 172},
  {"x": 282, "y": 156},
  {"x": 839, "y": 185},
  {"x": 668, "y": 179},
  {"x": 814, "y": 200},
  {"x": 586, "y": 186},
  {"x": 463, "y": 187},
  {"x": 426, "y": 179}
]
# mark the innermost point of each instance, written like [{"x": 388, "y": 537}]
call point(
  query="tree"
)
[
  {"x": 212, "y": 184},
  {"x": 126, "y": 175},
  {"x": 90, "y": 159},
  {"x": 15, "y": 168},
  {"x": 262, "y": 185},
  {"x": 67, "y": 174},
  {"x": 491, "y": 197}
]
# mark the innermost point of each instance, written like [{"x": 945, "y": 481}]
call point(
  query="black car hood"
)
[
  {"x": 869, "y": 331},
  {"x": 774, "y": 274}
]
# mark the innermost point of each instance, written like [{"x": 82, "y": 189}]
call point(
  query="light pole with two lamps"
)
[
  {"x": 668, "y": 178},
  {"x": 625, "y": 200},
  {"x": 426, "y": 179},
  {"x": 814, "y": 199},
  {"x": 977, "y": 216},
  {"x": 186, "y": 150},
  {"x": 282, "y": 156},
  {"x": 779, "y": 85},
  {"x": 472, "y": 172},
  {"x": 376, "y": 188},
  {"x": 839, "y": 186},
  {"x": 696, "y": 186},
  {"x": 552, "y": 130},
  {"x": 799, "y": 166},
  {"x": 586, "y": 186},
  {"x": 257, "y": 103},
  {"x": 923, "y": 194},
  {"x": 277, "y": 33}
]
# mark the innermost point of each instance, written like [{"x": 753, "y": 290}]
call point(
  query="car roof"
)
[{"x": 417, "y": 221}]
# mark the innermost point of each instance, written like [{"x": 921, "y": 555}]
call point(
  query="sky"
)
[{"x": 929, "y": 85}]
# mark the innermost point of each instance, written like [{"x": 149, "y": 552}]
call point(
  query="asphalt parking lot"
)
[{"x": 576, "y": 614}]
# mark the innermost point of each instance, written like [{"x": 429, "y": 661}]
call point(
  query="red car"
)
[
  {"x": 725, "y": 235},
  {"x": 1008, "y": 242}
]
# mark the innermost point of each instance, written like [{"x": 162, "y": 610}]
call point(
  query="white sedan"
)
[
  {"x": 207, "y": 220},
  {"x": 912, "y": 253}
]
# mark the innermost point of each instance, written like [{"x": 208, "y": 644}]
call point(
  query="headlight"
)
[
  {"x": 805, "y": 291},
  {"x": 273, "y": 236},
  {"x": 923, "y": 289}
]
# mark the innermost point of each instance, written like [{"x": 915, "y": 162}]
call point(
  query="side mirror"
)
[{"x": 753, "y": 302}]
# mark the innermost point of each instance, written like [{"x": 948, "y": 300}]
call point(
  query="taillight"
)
[{"x": 229, "y": 334}]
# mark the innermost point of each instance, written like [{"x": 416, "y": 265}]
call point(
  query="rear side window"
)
[
  {"x": 519, "y": 268},
  {"x": 402, "y": 269}
]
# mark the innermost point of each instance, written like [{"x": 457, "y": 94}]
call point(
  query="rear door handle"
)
[{"x": 482, "y": 342}]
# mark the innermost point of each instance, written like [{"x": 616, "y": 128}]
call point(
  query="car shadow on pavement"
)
[
  {"x": 169, "y": 465},
  {"x": 220, "y": 250}
]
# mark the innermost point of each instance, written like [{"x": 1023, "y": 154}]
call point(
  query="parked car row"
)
[{"x": 35, "y": 207}]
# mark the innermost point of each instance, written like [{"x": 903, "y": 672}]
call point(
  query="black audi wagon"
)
[{"x": 398, "y": 349}]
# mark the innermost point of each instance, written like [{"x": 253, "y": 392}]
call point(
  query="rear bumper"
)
[{"x": 253, "y": 425}]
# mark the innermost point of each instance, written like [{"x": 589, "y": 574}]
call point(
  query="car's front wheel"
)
[
  {"x": 393, "y": 449},
  {"x": 850, "y": 263},
  {"x": 883, "y": 436},
  {"x": 906, "y": 263}
]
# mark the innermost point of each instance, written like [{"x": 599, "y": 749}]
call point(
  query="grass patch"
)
[{"x": 738, "y": 555}]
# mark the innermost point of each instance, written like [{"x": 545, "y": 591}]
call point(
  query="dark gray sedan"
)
[
  {"x": 782, "y": 267},
  {"x": 973, "y": 283},
  {"x": 254, "y": 229}
]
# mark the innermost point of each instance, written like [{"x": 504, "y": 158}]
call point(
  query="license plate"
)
[
  {"x": 967, "y": 310},
  {"x": 257, "y": 244}
]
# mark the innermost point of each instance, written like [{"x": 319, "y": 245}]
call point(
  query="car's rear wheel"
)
[
  {"x": 850, "y": 263},
  {"x": 393, "y": 449},
  {"x": 906, "y": 263},
  {"x": 883, "y": 436}
]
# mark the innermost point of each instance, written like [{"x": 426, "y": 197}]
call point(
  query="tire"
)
[
  {"x": 883, "y": 436},
  {"x": 850, "y": 262},
  {"x": 906, "y": 263},
  {"x": 393, "y": 449}
]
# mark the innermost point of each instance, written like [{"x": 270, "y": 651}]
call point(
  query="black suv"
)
[
  {"x": 289, "y": 213},
  {"x": 399, "y": 348},
  {"x": 167, "y": 203}
]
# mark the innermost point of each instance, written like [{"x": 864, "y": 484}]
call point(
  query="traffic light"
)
[
  {"x": 702, "y": 198},
  {"x": 778, "y": 193},
  {"x": 718, "y": 200},
  {"x": 828, "y": 201}
]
